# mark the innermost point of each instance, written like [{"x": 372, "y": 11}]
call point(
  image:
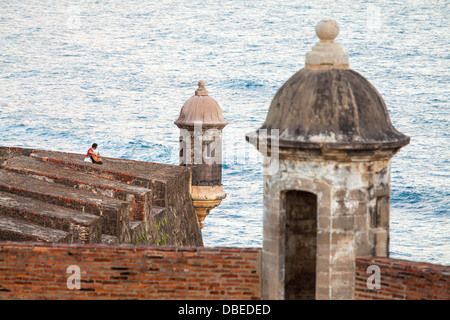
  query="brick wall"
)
[
  {"x": 402, "y": 280},
  {"x": 40, "y": 271}
]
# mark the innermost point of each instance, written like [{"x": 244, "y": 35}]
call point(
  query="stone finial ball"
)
[
  {"x": 201, "y": 83},
  {"x": 327, "y": 29}
]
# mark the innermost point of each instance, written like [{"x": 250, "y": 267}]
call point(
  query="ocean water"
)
[{"x": 118, "y": 72}]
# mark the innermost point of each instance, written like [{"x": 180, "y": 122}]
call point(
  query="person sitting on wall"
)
[{"x": 93, "y": 156}]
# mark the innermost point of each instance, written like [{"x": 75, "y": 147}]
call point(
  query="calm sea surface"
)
[{"x": 118, "y": 72}]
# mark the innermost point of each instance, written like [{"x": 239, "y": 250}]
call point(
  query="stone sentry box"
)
[
  {"x": 201, "y": 123},
  {"x": 328, "y": 202}
]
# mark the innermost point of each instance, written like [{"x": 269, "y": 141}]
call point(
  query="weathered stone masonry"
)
[
  {"x": 201, "y": 123},
  {"x": 328, "y": 202},
  {"x": 57, "y": 197}
]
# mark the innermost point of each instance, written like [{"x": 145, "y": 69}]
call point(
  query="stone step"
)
[
  {"x": 19, "y": 230},
  {"x": 138, "y": 173},
  {"x": 169, "y": 185},
  {"x": 115, "y": 213},
  {"x": 157, "y": 210},
  {"x": 140, "y": 197},
  {"x": 85, "y": 228},
  {"x": 107, "y": 239}
]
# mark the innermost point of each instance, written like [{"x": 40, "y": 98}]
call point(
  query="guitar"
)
[{"x": 96, "y": 157}]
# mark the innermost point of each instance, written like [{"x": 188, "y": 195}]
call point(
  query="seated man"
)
[{"x": 92, "y": 156}]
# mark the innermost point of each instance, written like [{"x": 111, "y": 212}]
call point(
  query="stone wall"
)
[
  {"x": 40, "y": 271},
  {"x": 352, "y": 220},
  {"x": 401, "y": 280},
  {"x": 138, "y": 202},
  {"x": 202, "y": 153}
]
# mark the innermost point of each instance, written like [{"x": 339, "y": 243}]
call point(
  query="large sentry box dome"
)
[{"x": 328, "y": 202}]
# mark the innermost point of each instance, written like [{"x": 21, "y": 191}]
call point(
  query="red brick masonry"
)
[
  {"x": 402, "y": 280},
  {"x": 39, "y": 271}
]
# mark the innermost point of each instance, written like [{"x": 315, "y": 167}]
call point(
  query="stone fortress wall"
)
[{"x": 48, "y": 196}]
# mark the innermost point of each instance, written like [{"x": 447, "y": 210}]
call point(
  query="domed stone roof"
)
[
  {"x": 327, "y": 105},
  {"x": 201, "y": 108}
]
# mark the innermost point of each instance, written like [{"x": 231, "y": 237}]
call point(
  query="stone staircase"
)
[{"x": 57, "y": 197}]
